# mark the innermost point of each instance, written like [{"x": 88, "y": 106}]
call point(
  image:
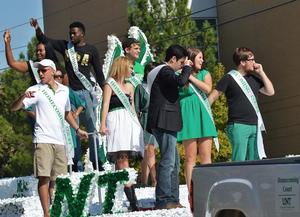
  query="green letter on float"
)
[
  {"x": 75, "y": 202},
  {"x": 111, "y": 180}
]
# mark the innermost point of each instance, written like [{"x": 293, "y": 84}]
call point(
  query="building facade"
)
[
  {"x": 101, "y": 18},
  {"x": 271, "y": 29}
]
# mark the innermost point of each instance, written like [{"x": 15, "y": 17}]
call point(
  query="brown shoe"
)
[
  {"x": 173, "y": 206},
  {"x": 179, "y": 205}
]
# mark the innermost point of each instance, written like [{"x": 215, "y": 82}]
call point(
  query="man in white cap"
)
[{"x": 52, "y": 106}]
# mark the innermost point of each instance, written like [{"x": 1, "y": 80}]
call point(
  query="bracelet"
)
[{"x": 77, "y": 130}]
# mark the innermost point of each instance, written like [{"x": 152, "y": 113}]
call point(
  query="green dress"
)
[{"x": 196, "y": 120}]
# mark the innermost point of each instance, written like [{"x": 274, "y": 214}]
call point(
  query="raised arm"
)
[
  {"x": 97, "y": 68},
  {"x": 59, "y": 45},
  {"x": 34, "y": 23},
  {"x": 20, "y": 66},
  {"x": 169, "y": 77},
  {"x": 205, "y": 85},
  {"x": 18, "y": 103},
  {"x": 268, "y": 88}
]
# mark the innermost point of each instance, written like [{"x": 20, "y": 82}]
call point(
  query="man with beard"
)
[
  {"x": 241, "y": 88},
  {"x": 79, "y": 58}
]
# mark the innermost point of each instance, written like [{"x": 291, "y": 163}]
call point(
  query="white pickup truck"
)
[{"x": 264, "y": 188}]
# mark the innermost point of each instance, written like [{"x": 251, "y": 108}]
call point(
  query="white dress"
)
[{"x": 124, "y": 134}]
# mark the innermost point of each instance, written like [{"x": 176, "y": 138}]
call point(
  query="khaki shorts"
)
[{"x": 50, "y": 160}]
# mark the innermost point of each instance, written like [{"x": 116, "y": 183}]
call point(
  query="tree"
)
[
  {"x": 15, "y": 135},
  {"x": 163, "y": 22},
  {"x": 31, "y": 48}
]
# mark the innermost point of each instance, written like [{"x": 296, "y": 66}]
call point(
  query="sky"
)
[{"x": 15, "y": 15}]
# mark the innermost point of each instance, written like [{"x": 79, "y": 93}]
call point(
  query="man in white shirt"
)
[{"x": 52, "y": 106}]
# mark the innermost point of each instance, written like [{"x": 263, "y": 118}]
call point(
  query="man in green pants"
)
[{"x": 241, "y": 88}]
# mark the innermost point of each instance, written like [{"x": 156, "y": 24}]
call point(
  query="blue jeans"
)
[
  {"x": 88, "y": 118},
  {"x": 167, "y": 188}
]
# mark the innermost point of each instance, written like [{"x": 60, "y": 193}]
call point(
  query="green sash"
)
[
  {"x": 65, "y": 127},
  {"x": 123, "y": 98},
  {"x": 135, "y": 81},
  {"x": 252, "y": 99},
  {"x": 204, "y": 100},
  {"x": 35, "y": 72},
  {"x": 72, "y": 55},
  {"x": 96, "y": 93}
]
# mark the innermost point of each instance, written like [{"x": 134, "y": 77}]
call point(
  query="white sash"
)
[
  {"x": 72, "y": 55},
  {"x": 35, "y": 72},
  {"x": 65, "y": 127},
  {"x": 252, "y": 99},
  {"x": 145, "y": 87},
  {"x": 95, "y": 91},
  {"x": 204, "y": 100},
  {"x": 123, "y": 98},
  {"x": 135, "y": 81},
  {"x": 152, "y": 75}
]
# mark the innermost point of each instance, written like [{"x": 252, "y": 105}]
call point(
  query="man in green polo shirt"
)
[{"x": 132, "y": 49}]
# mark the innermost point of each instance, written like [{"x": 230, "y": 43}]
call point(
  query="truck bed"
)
[{"x": 263, "y": 188}]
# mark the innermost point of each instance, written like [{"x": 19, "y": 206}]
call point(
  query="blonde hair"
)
[{"x": 119, "y": 68}]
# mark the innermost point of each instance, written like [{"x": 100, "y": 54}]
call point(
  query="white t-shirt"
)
[{"x": 47, "y": 128}]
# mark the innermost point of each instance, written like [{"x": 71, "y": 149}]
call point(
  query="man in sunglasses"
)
[
  {"x": 241, "y": 88},
  {"x": 52, "y": 107}
]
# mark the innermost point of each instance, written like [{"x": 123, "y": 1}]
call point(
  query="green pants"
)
[{"x": 243, "y": 141}]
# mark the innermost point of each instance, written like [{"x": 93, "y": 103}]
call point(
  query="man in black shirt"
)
[
  {"x": 84, "y": 56},
  {"x": 241, "y": 88}
]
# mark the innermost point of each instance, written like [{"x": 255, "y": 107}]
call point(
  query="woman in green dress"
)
[{"x": 198, "y": 127}]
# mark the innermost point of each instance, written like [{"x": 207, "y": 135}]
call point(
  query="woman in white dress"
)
[{"x": 119, "y": 121}]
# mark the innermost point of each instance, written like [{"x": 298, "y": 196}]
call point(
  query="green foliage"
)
[
  {"x": 15, "y": 135},
  {"x": 161, "y": 25},
  {"x": 21, "y": 56},
  {"x": 13, "y": 84},
  {"x": 209, "y": 43},
  {"x": 15, "y": 154},
  {"x": 31, "y": 48}
]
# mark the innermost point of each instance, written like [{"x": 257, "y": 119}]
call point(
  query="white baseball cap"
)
[{"x": 45, "y": 63}]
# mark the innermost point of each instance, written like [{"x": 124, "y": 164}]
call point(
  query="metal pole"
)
[
  {"x": 95, "y": 135},
  {"x": 70, "y": 169}
]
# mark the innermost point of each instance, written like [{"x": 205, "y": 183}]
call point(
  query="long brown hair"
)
[{"x": 192, "y": 53}]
